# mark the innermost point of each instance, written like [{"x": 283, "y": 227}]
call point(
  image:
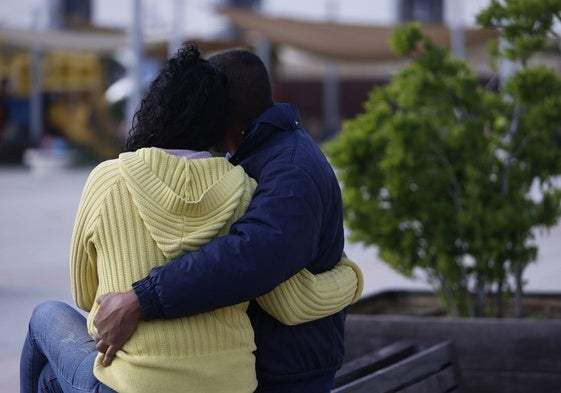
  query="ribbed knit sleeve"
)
[
  {"x": 306, "y": 297},
  {"x": 83, "y": 267}
]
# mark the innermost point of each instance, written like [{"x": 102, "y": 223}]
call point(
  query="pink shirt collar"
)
[{"x": 185, "y": 153}]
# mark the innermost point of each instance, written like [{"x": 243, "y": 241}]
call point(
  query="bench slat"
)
[
  {"x": 442, "y": 381},
  {"x": 374, "y": 361},
  {"x": 409, "y": 371}
]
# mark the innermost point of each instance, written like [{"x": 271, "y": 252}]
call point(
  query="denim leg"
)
[
  {"x": 58, "y": 336},
  {"x": 48, "y": 382},
  {"x": 31, "y": 364}
]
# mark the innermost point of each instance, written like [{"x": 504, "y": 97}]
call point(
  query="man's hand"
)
[{"x": 116, "y": 320}]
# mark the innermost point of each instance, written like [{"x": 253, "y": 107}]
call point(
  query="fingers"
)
[
  {"x": 101, "y": 346},
  {"x": 99, "y": 300},
  {"x": 113, "y": 324},
  {"x": 107, "y": 350},
  {"x": 109, "y": 356}
]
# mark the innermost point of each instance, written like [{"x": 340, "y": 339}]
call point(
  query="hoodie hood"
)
[{"x": 183, "y": 203}]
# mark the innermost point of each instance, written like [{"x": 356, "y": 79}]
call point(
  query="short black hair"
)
[
  {"x": 249, "y": 86},
  {"x": 185, "y": 107}
]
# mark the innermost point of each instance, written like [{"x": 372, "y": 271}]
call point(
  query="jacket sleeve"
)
[
  {"x": 305, "y": 297},
  {"x": 277, "y": 237},
  {"x": 83, "y": 254}
]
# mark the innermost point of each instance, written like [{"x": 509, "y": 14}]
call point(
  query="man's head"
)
[{"x": 249, "y": 87}]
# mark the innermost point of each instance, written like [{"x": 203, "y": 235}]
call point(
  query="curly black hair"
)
[{"x": 185, "y": 106}]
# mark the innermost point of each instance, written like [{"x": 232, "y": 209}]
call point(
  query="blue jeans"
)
[{"x": 58, "y": 353}]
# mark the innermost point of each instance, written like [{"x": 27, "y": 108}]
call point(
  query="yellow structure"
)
[
  {"x": 76, "y": 82},
  {"x": 60, "y": 72}
]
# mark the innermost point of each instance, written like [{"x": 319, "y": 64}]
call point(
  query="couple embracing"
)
[{"x": 203, "y": 273}]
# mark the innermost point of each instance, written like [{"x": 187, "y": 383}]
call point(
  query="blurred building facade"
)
[
  {"x": 53, "y": 85},
  {"x": 324, "y": 65}
]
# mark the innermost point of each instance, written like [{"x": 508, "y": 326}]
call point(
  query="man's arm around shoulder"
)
[{"x": 277, "y": 237}]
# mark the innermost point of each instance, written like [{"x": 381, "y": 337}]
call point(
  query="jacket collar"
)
[{"x": 282, "y": 117}]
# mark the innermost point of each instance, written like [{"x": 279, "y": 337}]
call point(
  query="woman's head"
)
[{"x": 185, "y": 106}]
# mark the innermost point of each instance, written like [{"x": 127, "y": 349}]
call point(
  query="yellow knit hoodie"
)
[{"x": 147, "y": 207}]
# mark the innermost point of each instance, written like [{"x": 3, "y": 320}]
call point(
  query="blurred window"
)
[
  {"x": 424, "y": 11},
  {"x": 76, "y": 12}
]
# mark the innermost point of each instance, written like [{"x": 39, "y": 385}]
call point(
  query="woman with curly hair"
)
[{"x": 166, "y": 196}]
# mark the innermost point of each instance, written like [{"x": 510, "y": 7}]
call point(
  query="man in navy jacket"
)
[{"x": 293, "y": 222}]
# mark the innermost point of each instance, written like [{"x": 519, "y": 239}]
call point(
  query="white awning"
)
[
  {"x": 347, "y": 42},
  {"x": 63, "y": 40}
]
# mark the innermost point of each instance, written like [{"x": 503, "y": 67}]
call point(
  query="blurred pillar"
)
[
  {"x": 54, "y": 14},
  {"x": 506, "y": 66},
  {"x": 331, "y": 93},
  {"x": 36, "y": 99},
  {"x": 263, "y": 50},
  {"x": 134, "y": 71},
  {"x": 457, "y": 33},
  {"x": 178, "y": 18}
]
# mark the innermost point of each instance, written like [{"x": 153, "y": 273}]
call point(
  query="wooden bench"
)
[
  {"x": 402, "y": 367},
  {"x": 494, "y": 356}
]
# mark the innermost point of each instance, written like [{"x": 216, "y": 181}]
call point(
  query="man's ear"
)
[{"x": 234, "y": 136}]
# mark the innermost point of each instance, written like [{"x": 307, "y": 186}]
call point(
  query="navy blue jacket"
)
[{"x": 294, "y": 221}]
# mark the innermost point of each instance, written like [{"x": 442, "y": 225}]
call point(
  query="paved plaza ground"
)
[{"x": 36, "y": 218}]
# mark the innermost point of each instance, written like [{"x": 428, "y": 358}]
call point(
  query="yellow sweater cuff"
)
[
  {"x": 306, "y": 297},
  {"x": 360, "y": 278}
]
